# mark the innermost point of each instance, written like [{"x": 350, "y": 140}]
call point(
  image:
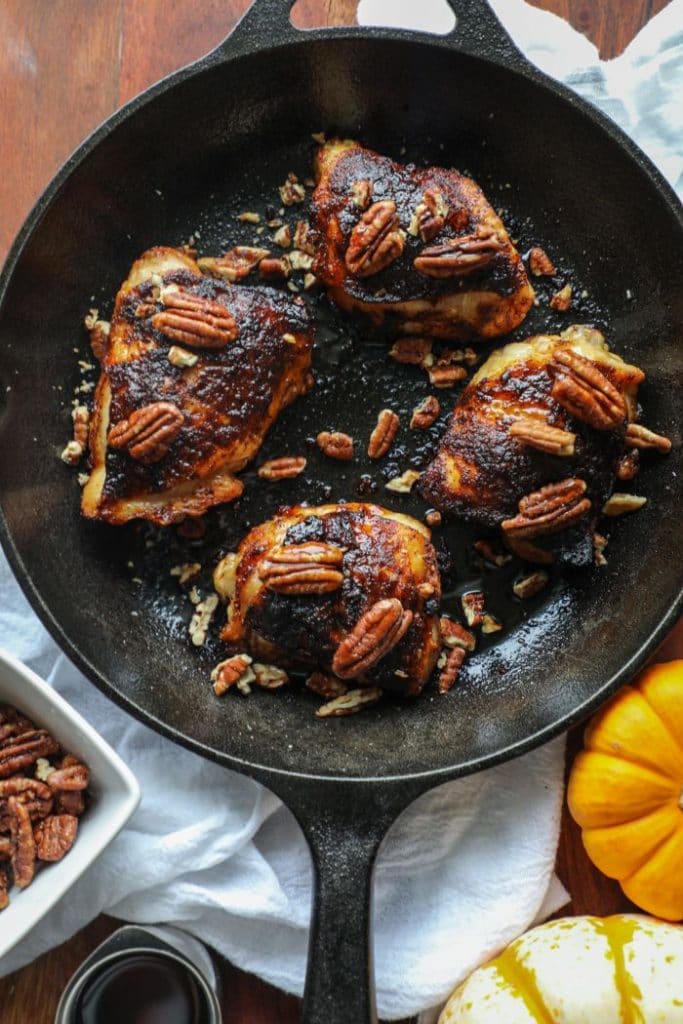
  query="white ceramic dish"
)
[{"x": 114, "y": 789}]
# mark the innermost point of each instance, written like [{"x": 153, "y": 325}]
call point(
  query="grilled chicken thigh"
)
[
  {"x": 194, "y": 372},
  {"x": 535, "y": 441},
  {"x": 421, "y": 244},
  {"x": 352, "y": 589}
]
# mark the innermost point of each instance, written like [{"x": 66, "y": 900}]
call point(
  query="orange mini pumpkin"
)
[{"x": 626, "y": 790}]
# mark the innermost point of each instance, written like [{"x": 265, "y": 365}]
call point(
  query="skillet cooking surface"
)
[{"x": 219, "y": 143}]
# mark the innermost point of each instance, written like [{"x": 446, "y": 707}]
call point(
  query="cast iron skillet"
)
[{"x": 185, "y": 157}]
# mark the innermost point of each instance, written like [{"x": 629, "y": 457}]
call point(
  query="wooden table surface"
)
[{"x": 64, "y": 67}]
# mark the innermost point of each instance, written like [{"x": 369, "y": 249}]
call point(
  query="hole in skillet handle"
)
[{"x": 467, "y": 26}]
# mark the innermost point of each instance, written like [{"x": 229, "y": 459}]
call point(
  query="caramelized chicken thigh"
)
[
  {"x": 421, "y": 244},
  {"x": 352, "y": 589},
  {"x": 194, "y": 373},
  {"x": 535, "y": 440}
]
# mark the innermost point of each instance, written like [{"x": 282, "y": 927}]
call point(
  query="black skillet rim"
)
[{"x": 518, "y": 65}]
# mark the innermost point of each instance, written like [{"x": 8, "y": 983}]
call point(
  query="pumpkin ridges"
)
[
  {"x": 606, "y": 790},
  {"x": 662, "y": 687},
  {"x": 657, "y": 885},
  {"x": 621, "y": 850},
  {"x": 631, "y": 729}
]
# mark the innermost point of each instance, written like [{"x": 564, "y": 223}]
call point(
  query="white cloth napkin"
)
[{"x": 470, "y": 865}]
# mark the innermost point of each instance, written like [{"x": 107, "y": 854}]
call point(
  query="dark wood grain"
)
[{"x": 64, "y": 66}]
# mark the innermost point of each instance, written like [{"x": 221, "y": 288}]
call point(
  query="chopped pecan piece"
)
[
  {"x": 492, "y": 553},
  {"x": 269, "y": 677},
  {"x": 4, "y": 888},
  {"x": 620, "y": 504},
  {"x": 99, "y": 338},
  {"x": 449, "y": 672},
  {"x": 628, "y": 466},
  {"x": 445, "y": 376},
  {"x": 24, "y": 853},
  {"x": 584, "y": 391},
  {"x": 382, "y": 437},
  {"x": 540, "y": 263},
  {"x": 455, "y": 635},
  {"x": 335, "y": 445},
  {"x": 149, "y": 432},
  {"x": 376, "y": 241},
  {"x": 638, "y": 436},
  {"x": 562, "y": 300},
  {"x": 35, "y": 795},
  {"x": 231, "y": 672},
  {"x": 376, "y": 633},
  {"x": 430, "y": 215},
  {"x": 70, "y": 802},
  {"x": 326, "y": 686},
  {"x": 459, "y": 256},
  {"x": 235, "y": 265},
  {"x": 292, "y": 191},
  {"x": 404, "y": 483},
  {"x": 24, "y": 749},
  {"x": 284, "y": 468},
  {"x": 302, "y": 238},
  {"x": 361, "y": 193},
  {"x": 194, "y": 320},
  {"x": 283, "y": 236},
  {"x": 55, "y": 836},
  {"x": 433, "y": 517},
  {"x": 599, "y": 544},
  {"x": 425, "y": 413},
  {"x": 537, "y": 434},
  {"x": 528, "y": 586},
  {"x": 180, "y": 357},
  {"x": 549, "y": 510},
  {"x": 310, "y": 568},
  {"x": 349, "y": 703},
  {"x": 275, "y": 268},
  {"x": 473, "y": 607},
  {"x": 5, "y": 848},
  {"x": 71, "y": 777},
  {"x": 490, "y": 624},
  {"x": 413, "y": 351},
  {"x": 529, "y": 552}
]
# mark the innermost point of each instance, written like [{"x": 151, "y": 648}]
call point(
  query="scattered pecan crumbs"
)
[
  {"x": 638, "y": 436},
  {"x": 540, "y": 263},
  {"x": 326, "y": 686},
  {"x": 562, "y": 300},
  {"x": 335, "y": 445},
  {"x": 449, "y": 672},
  {"x": 528, "y": 586},
  {"x": 35, "y": 824},
  {"x": 404, "y": 483},
  {"x": 382, "y": 437},
  {"x": 455, "y": 635},
  {"x": 235, "y": 671},
  {"x": 284, "y": 468},
  {"x": 619, "y": 504},
  {"x": 186, "y": 572},
  {"x": 201, "y": 620},
  {"x": 349, "y": 703},
  {"x": 425, "y": 413},
  {"x": 473, "y": 607}
]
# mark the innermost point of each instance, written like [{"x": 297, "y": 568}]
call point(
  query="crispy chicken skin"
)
[
  {"x": 497, "y": 448},
  {"x": 361, "y": 555},
  {"x": 476, "y": 288},
  {"x": 250, "y": 356}
]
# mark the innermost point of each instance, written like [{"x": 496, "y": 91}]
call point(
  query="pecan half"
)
[
  {"x": 584, "y": 391},
  {"x": 455, "y": 635},
  {"x": 70, "y": 778},
  {"x": 536, "y": 434},
  {"x": 35, "y": 795},
  {"x": 638, "y": 436},
  {"x": 24, "y": 855},
  {"x": 235, "y": 265},
  {"x": 55, "y": 836},
  {"x": 23, "y": 750},
  {"x": 430, "y": 215},
  {"x": 459, "y": 256},
  {"x": 473, "y": 607},
  {"x": 311, "y": 568},
  {"x": 382, "y": 437},
  {"x": 269, "y": 677},
  {"x": 449, "y": 672},
  {"x": 425, "y": 413},
  {"x": 349, "y": 703},
  {"x": 194, "y": 320},
  {"x": 326, "y": 686},
  {"x": 335, "y": 445},
  {"x": 149, "y": 432},
  {"x": 376, "y": 240},
  {"x": 284, "y": 468},
  {"x": 445, "y": 376},
  {"x": 373, "y": 636},
  {"x": 549, "y": 510},
  {"x": 231, "y": 672}
]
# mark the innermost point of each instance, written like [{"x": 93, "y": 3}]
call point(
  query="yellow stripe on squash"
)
[
  {"x": 621, "y": 850},
  {"x": 605, "y": 790},
  {"x": 662, "y": 688},
  {"x": 658, "y": 884},
  {"x": 630, "y": 728}
]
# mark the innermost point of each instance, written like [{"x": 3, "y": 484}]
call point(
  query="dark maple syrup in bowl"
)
[{"x": 144, "y": 988}]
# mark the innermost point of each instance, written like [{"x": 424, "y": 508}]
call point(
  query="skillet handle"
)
[{"x": 264, "y": 24}]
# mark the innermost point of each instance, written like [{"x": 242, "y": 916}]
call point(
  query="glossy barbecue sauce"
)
[{"x": 142, "y": 989}]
